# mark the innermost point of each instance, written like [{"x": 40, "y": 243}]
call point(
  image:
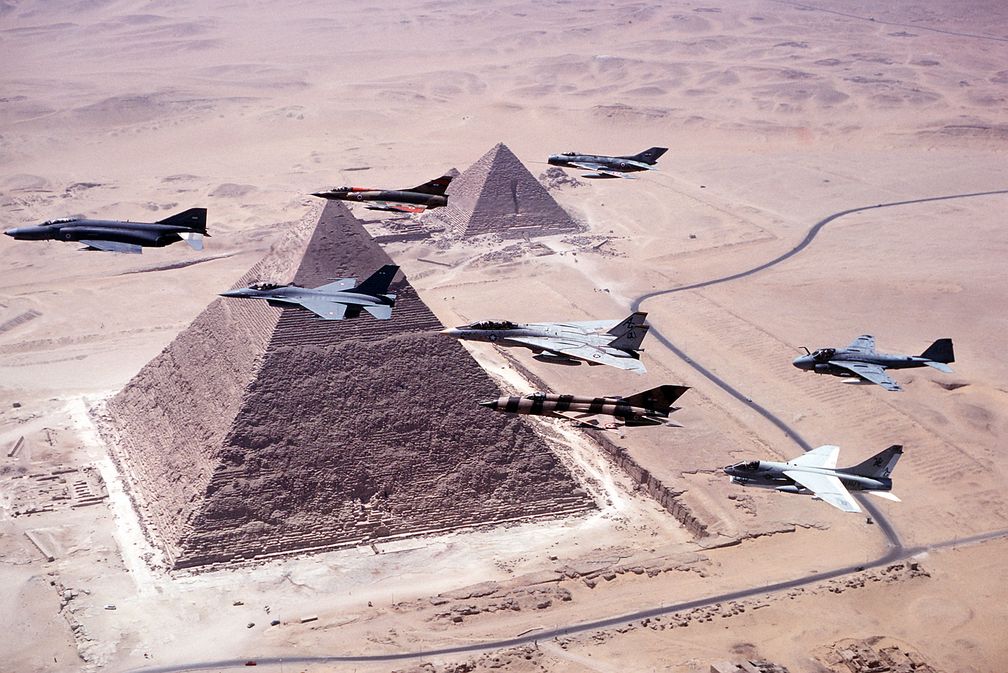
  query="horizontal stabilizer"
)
[
  {"x": 940, "y": 366},
  {"x": 194, "y": 239},
  {"x": 888, "y": 495},
  {"x": 380, "y": 312}
]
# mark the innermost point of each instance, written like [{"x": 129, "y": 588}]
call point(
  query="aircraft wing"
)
[
  {"x": 594, "y": 420},
  {"x": 826, "y": 487},
  {"x": 575, "y": 349},
  {"x": 824, "y": 456},
  {"x": 600, "y": 169},
  {"x": 863, "y": 344},
  {"x": 869, "y": 372},
  {"x": 396, "y": 207},
  {"x": 323, "y": 308},
  {"x": 114, "y": 246}
]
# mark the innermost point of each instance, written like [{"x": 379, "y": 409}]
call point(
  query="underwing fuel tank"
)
[{"x": 556, "y": 359}]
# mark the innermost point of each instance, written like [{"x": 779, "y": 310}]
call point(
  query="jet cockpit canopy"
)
[
  {"x": 493, "y": 324},
  {"x": 824, "y": 353},
  {"x": 60, "y": 220},
  {"x": 266, "y": 285},
  {"x": 747, "y": 466},
  {"x": 569, "y": 154}
]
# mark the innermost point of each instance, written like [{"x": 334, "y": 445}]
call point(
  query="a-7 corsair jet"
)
[
  {"x": 861, "y": 360},
  {"x": 603, "y": 166},
  {"x": 816, "y": 473},
  {"x": 597, "y": 342},
  {"x": 120, "y": 236},
  {"x": 334, "y": 301},
  {"x": 415, "y": 200}
]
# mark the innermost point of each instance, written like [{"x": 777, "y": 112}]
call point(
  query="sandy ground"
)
[{"x": 777, "y": 114}]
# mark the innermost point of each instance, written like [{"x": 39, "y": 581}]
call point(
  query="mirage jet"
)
[
  {"x": 343, "y": 298},
  {"x": 861, "y": 360},
  {"x": 415, "y": 200},
  {"x": 651, "y": 407},
  {"x": 120, "y": 236},
  {"x": 603, "y": 166},
  {"x": 597, "y": 342},
  {"x": 816, "y": 473}
]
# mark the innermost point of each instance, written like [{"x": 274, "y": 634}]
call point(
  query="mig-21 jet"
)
[
  {"x": 597, "y": 342},
  {"x": 120, "y": 235},
  {"x": 415, "y": 200},
  {"x": 815, "y": 473},
  {"x": 861, "y": 360},
  {"x": 603, "y": 166},
  {"x": 343, "y": 298}
]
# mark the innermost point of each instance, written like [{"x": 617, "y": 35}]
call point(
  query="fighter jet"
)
[
  {"x": 651, "y": 407},
  {"x": 816, "y": 473},
  {"x": 120, "y": 236},
  {"x": 567, "y": 343},
  {"x": 861, "y": 360},
  {"x": 609, "y": 167},
  {"x": 334, "y": 301},
  {"x": 415, "y": 200}
]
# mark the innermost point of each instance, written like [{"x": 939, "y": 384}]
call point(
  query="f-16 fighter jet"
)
[
  {"x": 416, "y": 200},
  {"x": 567, "y": 343},
  {"x": 861, "y": 360},
  {"x": 343, "y": 298},
  {"x": 651, "y": 407},
  {"x": 121, "y": 236},
  {"x": 609, "y": 167},
  {"x": 816, "y": 473}
]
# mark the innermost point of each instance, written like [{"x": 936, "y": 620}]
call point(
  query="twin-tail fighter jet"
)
[
  {"x": 603, "y": 166},
  {"x": 343, "y": 298},
  {"x": 414, "y": 200},
  {"x": 816, "y": 473},
  {"x": 651, "y": 407},
  {"x": 861, "y": 360},
  {"x": 597, "y": 342},
  {"x": 120, "y": 236}
]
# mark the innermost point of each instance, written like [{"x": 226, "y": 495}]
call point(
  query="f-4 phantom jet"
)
[
  {"x": 603, "y": 166},
  {"x": 816, "y": 473},
  {"x": 597, "y": 342},
  {"x": 861, "y": 360},
  {"x": 416, "y": 200},
  {"x": 120, "y": 236},
  {"x": 343, "y": 298}
]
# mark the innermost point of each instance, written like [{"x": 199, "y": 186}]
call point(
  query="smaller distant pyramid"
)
[{"x": 498, "y": 195}]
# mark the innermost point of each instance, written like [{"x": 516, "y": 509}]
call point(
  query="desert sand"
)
[{"x": 777, "y": 115}]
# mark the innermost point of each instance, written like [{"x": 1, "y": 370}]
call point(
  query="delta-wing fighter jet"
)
[
  {"x": 815, "y": 473},
  {"x": 120, "y": 236},
  {"x": 597, "y": 342},
  {"x": 343, "y": 298},
  {"x": 603, "y": 166},
  {"x": 651, "y": 407},
  {"x": 861, "y": 360},
  {"x": 414, "y": 200}
]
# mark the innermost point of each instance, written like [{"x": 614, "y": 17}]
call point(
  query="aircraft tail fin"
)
[
  {"x": 378, "y": 282},
  {"x": 940, "y": 351},
  {"x": 194, "y": 218},
  {"x": 658, "y": 399},
  {"x": 436, "y": 186},
  {"x": 879, "y": 466},
  {"x": 650, "y": 155}
]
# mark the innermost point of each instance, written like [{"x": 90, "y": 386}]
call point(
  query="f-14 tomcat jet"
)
[
  {"x": 816, "y": 473},
  {"x": 120, "y": 236},
  {"x": 603, "y": 166},
  {"x": 651, "y": 407},
  {"x": 415, "y": 200},
  {"x": 343, "y": 298},
  {"x": 860, "y": 359},
  {"x": 597, "y": 342}
]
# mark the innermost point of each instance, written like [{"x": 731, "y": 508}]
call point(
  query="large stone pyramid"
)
[
  {"x": 262, "y": 431},
  {"x": 498, "y": 195}
]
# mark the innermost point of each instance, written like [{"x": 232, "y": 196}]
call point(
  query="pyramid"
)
[
  {"x": 498, "y": 195},
  {"x": 262, "y": 431}
]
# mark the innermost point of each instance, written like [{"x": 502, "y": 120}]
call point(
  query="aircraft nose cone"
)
[
  {"x": 11, "y": 232},
  {"x": 232, "y": 293},
  {"x": 802, "y": 362},
  {"x": 489, "y": 404},
  {"x": 450, "y": 331}
]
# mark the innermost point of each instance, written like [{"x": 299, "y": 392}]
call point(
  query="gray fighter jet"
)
[
  {"x": 120, "y": 236},
  {"x": 597, "y": 342},
  {"x": 816, "y": 473},
  {"x": 415, "y": 200},
  {"x": 651, "y": 407},
  {"x": 334, "y": 301},
  {"x": 603, "y": 166},
  {"x": 861, "y": 360}
]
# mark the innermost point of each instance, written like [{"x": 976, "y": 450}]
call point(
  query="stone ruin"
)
[
  {"x": 262, "y": 431},
  {"x": 498, "y": 195}
]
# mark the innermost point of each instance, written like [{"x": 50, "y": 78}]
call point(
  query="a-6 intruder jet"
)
[
  {"x": 343, "y": 298},
  {"x": 597, "y": 342},
  {"x": 861, "y": 360},
  {"x": 651, "y": 407},
  {"x": 816, "y": 473},
  {"x": 603, "y": 166},
  {"x": 416, "y": 200},
  {"x": 120, "y": 236}
]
